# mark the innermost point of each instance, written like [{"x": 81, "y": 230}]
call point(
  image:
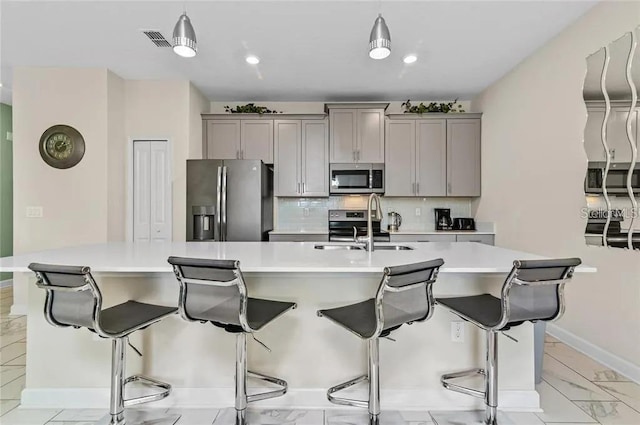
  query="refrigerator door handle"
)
[
  {"x": 218, "y": 229},
  {"x": 224, "y": 203}
]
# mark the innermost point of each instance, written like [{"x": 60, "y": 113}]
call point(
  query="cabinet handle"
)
[
  {"x": 353, "y": 154},
  {"x": 237, "y": 154},
  {"x": 303, "y": 187},
  {"x": 413, "y": 188},
  {"x": 298, "y": 187},
  {"x": 358, "y": 154},
  {"x": 417, "y": 188},
  {"x": 448, "y": 187}
]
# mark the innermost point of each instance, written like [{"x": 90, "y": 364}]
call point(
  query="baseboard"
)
[
  {"x": 84, "y": 398},
  {"x": 6, "y": 283},
  {"x": 610, "y": 360},
  {"x": 18, "y": 310}
]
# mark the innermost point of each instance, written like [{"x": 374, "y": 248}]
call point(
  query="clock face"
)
[{"x": 61, "y": 146}]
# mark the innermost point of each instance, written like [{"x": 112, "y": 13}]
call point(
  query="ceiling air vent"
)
[{"x": 157, "y": 38}]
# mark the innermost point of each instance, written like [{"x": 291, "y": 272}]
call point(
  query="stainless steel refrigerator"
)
[{"x": 235, "y": 196}]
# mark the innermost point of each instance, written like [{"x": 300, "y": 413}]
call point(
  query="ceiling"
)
[{"x": 309, "y": 50}]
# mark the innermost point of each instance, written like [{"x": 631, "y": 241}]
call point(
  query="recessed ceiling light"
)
[
  {"x": 253, "y": 60},
  {"x": 0, "y": 84},
  {"x": 410, "y": 59}
]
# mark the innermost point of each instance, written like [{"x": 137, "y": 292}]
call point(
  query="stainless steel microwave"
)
[
  {"x": 616, "y": 178},
  {"x": 356, "y": 178}
]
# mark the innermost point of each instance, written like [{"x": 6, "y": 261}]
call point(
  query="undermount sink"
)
[{"x": 361, "y": 248}]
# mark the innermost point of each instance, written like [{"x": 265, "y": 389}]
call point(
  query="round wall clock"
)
[{"x": 61, "y": 146}]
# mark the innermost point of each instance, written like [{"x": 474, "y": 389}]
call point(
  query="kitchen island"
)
[{"x": 70, "y": 368}]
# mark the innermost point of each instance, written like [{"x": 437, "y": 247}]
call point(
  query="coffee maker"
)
[{"x": 443, "y": 219}]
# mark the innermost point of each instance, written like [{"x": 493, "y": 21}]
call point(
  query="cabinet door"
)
[
  {"x": 315, "y": 158},
  {"x": 400, "y": 161},
  {"x": 593, "y": 136},
  {"x": 617, "y": 134},
  {"x": 223, "y": 139},
  {"x": 343, "y": 135},
  {"x": 370, "y": 136},
  {"x": 257, "y": 140},
  {"x": 431, "y": 158},
  {"x": 287, "y": 158},
  {"x": 463, "y": 157}
]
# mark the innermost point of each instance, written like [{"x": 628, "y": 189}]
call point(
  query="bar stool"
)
[
  {"x": 533, "y": 291},
  {"x": 404, "y": 296},
  {"x": 214, "y": 291},
  {"x": 74, "y": 299}
]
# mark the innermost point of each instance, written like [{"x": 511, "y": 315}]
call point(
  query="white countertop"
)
[{"x": 265, "y": 257}]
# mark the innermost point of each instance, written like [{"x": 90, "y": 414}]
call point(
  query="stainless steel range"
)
[{"x": 342, "y": 222}]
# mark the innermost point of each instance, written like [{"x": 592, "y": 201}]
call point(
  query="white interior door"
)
[{"x": 151, "y": 191}]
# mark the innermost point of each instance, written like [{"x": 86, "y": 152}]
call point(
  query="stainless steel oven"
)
[
  {"x": 356, "y": 178},
  {"x": 616, "y": 178}
]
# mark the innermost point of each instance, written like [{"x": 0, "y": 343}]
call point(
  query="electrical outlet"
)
[
  {"x": 9, "y": 136},
  {"x": 418, "y": 211},
  {"x": 457, "y": 331},
  {"x": 34, "y": 212},
  {"x": 305, "y": 212}
]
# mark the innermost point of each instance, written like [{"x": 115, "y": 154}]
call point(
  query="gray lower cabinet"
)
[
  {"x": 485, "y": 239},
  {"x": 301, "y": 158},
  {"x": 296, "y": 237},
  {"x": 434, "y": 156}
]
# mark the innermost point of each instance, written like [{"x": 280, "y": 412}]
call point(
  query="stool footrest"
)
[
  {"x": 150, "y": 382},
  {"x": 268, "y": 394},
  {"x": 444, "y": 379},
  {"x": 347, "y": 401}
]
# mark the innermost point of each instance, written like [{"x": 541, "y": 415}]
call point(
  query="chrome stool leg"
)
[
  {"x": 374, "y": 379},
  {"x": 116, "y": 404},
  {"x": 490, "y": 393}
]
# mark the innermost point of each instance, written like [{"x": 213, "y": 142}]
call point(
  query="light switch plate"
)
[
  {"x": 34, "y": 212},
  {"x": 418, "y": 211}
]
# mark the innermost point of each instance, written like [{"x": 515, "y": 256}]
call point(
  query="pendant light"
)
[
  {"x": 184, "y": 37},
  {"x": 380, "y": 39}
]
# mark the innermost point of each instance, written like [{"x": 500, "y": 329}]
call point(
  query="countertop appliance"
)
[
  {"x": 616, "y": 178},
  {"x": 460, "y": 223},
  {"x": 342, "y": 222},
  {"x": 240, "y": 192},
  {"x": 358, "y": 178},
  {"x": 395, "y": 221},
  {"x": 443, "y": 219}
]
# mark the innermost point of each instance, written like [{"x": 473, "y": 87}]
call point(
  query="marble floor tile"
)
[
  {"x": 627, "y": 392},
  {"x": 582, "y": 364},
  {"x": 7, "y": 406},
  {"x": 13, "y": 389},
  {"x": 195, "y": 416},
  {"x": 28, "y": 416},
  {"x": 558, "y": 408},
  {"x": 273, "y": 417},
  {"x": 79, "y": 415},
  {"x": 18, "y": 361},
  {"x": 13, "y": 323},
  {"x": 571, "y": 384},
  {"x": 476, "y": 417},
  {"x": 9, "y": 373},
  {"x": 549, "y": 338},
  {"x": 12, "y": 351},
  {"x": 10, "y": 338},
  {"x": 610, "y": 412},
  {"x": 361, "y": 417}
]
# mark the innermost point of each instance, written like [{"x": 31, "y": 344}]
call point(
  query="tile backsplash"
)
[{"x": 312, "y": 213}]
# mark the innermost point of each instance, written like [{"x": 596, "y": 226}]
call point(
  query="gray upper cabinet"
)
[
  {"x": 239, "y": 139},
  {"x": 256, "y": 141},
  {"x": 437, "y": 156},
  {"x": 357, "y": 134},
  {"x": 431, "y": 157},
  {"x": 223, "y": 139},
  {"x": 301, "y": 158},
  {"x": 370, "y": 136},
  {"x": 463, "y": 157},
  {"x": 400, "y": 142},
  {"x": 343, "y": 135}
]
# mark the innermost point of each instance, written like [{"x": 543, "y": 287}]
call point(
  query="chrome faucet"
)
[{"x": 368, "y": 240}]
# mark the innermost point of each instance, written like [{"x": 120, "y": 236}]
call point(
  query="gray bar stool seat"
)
[
  {"x": 74, "y": 299},
  {"x": 533, "y": 291},
  {"x": 215, "y": 291},
  {"x": 404, "y": 296}
]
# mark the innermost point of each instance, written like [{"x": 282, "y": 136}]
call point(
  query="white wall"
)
[{"x": 533, "y": 169}]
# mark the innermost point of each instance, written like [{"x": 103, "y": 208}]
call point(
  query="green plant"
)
[
  {"x": 249, "y": 108},
  {"x": 432, "y": 107}
]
